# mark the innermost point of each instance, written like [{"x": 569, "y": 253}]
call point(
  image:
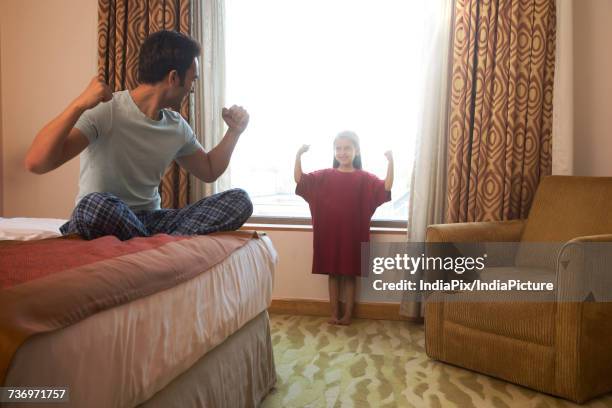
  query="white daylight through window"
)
[{"x": 309, "y": 69}]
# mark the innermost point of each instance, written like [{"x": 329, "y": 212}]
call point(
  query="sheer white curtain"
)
[
  {"x": 208, "y": 27},
  {"x": 428, "y": 184},
  {"x": 563, "y": 94}
]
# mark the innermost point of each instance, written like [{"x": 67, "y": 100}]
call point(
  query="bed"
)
[{"x": 153, "y": 322}]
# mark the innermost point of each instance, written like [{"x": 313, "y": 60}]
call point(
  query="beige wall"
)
[
  {"x": 48, "y": 56},
  {"x": 593, "y": 88}
]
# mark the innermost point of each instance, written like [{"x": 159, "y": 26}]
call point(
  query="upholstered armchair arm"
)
[
  {"x": 584, "y": 314},
  {"x": 496, "y": 231},
  {"x": 592, "y": 238},
  {"x": 583, "y": 269},
  {"x": 491, "y": 231},
  {"x": 441, "y": 240}
]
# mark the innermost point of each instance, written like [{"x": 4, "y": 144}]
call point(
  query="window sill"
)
[
  {"x": 290, "y": 222},
  {"x": 308, "y": 228}
]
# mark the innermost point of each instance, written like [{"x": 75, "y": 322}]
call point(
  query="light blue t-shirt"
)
[{"x": 129, "y": 152}]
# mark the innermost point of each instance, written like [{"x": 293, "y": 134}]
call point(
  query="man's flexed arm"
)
[
  {"x": 209, "y": 166},
  {"x": 59, "y": 141}
]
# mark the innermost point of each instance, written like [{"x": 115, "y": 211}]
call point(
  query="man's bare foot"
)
[
  {"x": 333, "y": 320},
  {"x": 345, "y": 321}
]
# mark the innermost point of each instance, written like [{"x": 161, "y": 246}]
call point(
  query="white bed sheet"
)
[
  {"x": 121, "y": 357},
  {"x": 26, "y": 229}
]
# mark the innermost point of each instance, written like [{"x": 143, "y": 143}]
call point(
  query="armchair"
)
[{"x": 557, "y": 347}]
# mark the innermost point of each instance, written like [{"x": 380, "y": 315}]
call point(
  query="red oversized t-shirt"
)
[{"x": 341, "y": 205}]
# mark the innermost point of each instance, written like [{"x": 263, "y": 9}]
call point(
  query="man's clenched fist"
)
[
  {"x": 236, "y": 117},
  {"x": 96, "y": 92}
]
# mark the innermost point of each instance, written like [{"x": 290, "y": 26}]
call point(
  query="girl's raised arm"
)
[
  {"x": 389, "y": 178},
  {"x": 297, "y": 171}
]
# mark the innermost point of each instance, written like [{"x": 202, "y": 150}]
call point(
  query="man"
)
[{"x": 127, "y": 140}]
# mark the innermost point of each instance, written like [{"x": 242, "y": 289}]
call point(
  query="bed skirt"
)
[{"x": 238, "y": 373}]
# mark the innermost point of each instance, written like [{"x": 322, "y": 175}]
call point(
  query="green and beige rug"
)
[{"x": 378, "y": 363}]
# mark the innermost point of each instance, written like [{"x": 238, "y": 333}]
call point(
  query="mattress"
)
[{"x": 122, "y": 356}]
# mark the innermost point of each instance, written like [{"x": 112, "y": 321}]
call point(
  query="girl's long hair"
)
[{"x": 352, "y": 136}]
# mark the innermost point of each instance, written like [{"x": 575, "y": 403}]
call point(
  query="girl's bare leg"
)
[
  {"x": 348, "y": 283},
  {"x": 334, "y": 287}
]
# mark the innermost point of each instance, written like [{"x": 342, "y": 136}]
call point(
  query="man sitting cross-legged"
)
[{"x": 127, "y": 140}]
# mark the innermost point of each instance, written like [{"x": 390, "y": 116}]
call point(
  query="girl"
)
[{"x": 342, "y": 201}]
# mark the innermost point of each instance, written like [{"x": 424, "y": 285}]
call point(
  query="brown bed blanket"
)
[{"x": 50, "y": 284}]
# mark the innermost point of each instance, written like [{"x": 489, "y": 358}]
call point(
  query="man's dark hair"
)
[{"x": 164, "y": 51}]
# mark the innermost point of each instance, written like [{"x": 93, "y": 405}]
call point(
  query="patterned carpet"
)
[{"x": 376, "y": 363}]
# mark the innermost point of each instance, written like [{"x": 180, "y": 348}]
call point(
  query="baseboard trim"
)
[{"x": 307, "y": 307}]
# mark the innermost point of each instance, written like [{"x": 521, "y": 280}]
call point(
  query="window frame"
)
[
  {"x": 303, "y": 222},
  {"x": 307, "y": 221}
]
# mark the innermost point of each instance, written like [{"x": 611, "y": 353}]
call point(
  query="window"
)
[{"x": 308, "y": 69}]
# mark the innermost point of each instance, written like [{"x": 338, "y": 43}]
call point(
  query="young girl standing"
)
[{"x": 342, "y": 201}]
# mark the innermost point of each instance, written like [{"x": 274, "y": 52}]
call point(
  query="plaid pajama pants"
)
[{"x": 99, "y": 214}]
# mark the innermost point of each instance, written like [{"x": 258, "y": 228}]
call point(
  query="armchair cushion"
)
[{"x": 566, "y": 207}]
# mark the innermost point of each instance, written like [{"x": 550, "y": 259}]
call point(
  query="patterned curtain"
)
[
  {"x": 122, "y": 27},
  {"x": 501, "y": 107}
]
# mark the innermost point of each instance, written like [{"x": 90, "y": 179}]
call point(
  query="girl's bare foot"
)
[{"x": 345, "y": 321}]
